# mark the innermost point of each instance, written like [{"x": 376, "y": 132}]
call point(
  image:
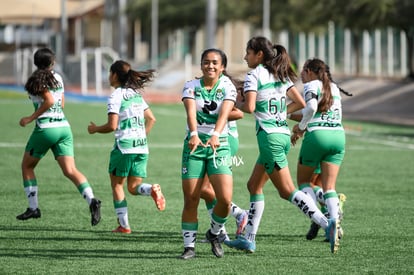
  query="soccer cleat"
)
[
  {"x": 29, "y": 214},
  {"x": 221, "y": 237},
  {"x": 241, "y": 221},
  {"x": 241, "y": 243},
  {"x": 215, "y": 244},
  {"x": 189, "y": 253},
  {"x": 313, "y": 231},
  {"x": 123, "y": 230},
  {"x": 342, "y": 200},
  {"x": 95, "y": 208},
  {"x": 332, "y": 233},
  {"x": 158, "y": 197}
]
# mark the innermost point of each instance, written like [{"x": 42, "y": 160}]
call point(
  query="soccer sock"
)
[
  {"x": 121, "y": 210},
  {"x": 30, "y": 188},
  {"x": 257, "y": 205},
  {"x": 144, "y": 189},
  {"x": 308, "y": 190},
  {"x": 324, "y": 211},
  {"x": 189, "y": 232},
  {"x": 217, "y": 224},
  {"x": 319, "y": 194},
  {"x": 86, "y": 191},
  {"x": 332, "y": 202},
  {"x": 210, "y": 206},
  {"x": 235, "y": 210},
  {"x": 308, "y": 207}
]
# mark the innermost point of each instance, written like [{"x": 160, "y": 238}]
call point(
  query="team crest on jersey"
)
[{"x": 219, "y": 94}]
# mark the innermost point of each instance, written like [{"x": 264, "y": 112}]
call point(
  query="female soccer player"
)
[
  {"x": 324, "y": 140},
  {"x": 132, "y": 120},
  {"x": 52, "y": 131},
  {"x": 266, "y": 89},
  {"x": 208, "y": 102}
]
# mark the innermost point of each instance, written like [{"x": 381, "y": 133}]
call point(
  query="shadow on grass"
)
[{"x": 27, "y": 242}]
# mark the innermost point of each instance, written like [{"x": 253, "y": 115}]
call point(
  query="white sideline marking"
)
[{"x": 395, "y": 144}]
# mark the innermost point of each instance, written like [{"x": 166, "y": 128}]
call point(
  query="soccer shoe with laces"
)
[
  {"x": 158, "y": 197},
  {"x": 332, "y": 233},
  {"x": 215, "y": 244},
  {"x": 29, "y": 214},
  {"x": 241, "y": 243},
  {"x": 313, "y": 231},
  {"x": 241, "y": 221},
  {"x": 342, "y": 199},
  {"x": 121, "y": 229},
  {"x": 95, "y": 208},
  {"x": 188, "y": 253}
]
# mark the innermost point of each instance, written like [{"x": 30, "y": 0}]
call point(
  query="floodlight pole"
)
[
  {"x": 211, "y": 23},
  {"x": 154, "y": 34},
  {"x": 266, "y": 18}
]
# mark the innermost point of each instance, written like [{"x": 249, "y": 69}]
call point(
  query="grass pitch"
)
[{"x": 376, "y": 176}]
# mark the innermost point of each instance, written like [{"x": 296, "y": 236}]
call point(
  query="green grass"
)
[{"x": 377, "y": 177}]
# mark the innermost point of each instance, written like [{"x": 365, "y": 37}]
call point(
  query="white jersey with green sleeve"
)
[
  {"x": 130, "y": 135},
  {"x": 208, "y": 102},
  {"x": 271, "y": 106},
  {"x": 330, "y": 120},
  {"x": 54, "y": 116}
]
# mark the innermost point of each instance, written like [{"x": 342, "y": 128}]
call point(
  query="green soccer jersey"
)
[
  {"x": 271, "y": 105},
  {"x": 208, "y": 102},
  {"x": 329, "y": 120},
  {"x": 130, "y": 135},
  {"x": 54, "y": 116}
]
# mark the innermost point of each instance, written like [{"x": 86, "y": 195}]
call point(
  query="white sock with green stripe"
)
[
  {"x": 308, "y": 190},
  {"x": 144, "y": 189},
  {"x": 86, "y": 191},
  {"x": 217, "y": 224},
  {"x": 235, "y": 210},
  {"x": 210, "y": 206},
  {"x": 121, "y": 210},
  {"x": 30, "y": 188},
  {"x": 189, "y": 232},
  {"x": 319, "y": 194},
  {"x": 257, "y": 205},
  {"x": 308, "y": 207},
  {"x": 332, "y": 203}
]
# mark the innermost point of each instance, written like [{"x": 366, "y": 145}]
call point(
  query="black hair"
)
[
  {"x": 44, "y": 58},
  {"x": 328, "y": 71},
  {"x": 320, "y": 69},
  {"x": 275, "y": 57},
  {"x": 219, "y": 52},
  {"x": 129, "y": 78},
  {"x": 223, "y": 57},
  {"x": 40, "y": 81}
]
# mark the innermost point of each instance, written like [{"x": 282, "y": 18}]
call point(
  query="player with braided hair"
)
[{"x": 52, "y": 131}]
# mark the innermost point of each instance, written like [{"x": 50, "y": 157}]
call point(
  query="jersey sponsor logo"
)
[
  {"x": 209, "y": 106},
  {"x": 139, "y": 142}
]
